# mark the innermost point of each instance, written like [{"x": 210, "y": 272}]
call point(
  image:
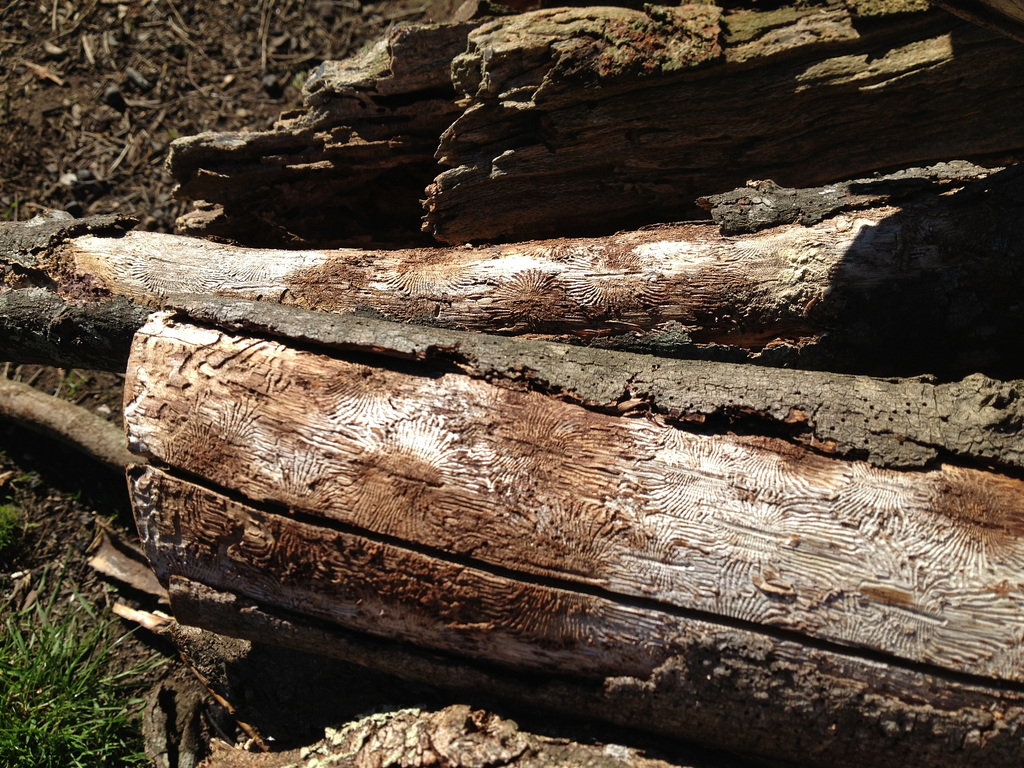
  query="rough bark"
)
[
  {"x": 38, "y": 325},
  {"x": 928, "y": 283},
  {"x": 630, "y": 115},
  {"x": 455, "y": 737},
  {"x": 510, "y": 503}
]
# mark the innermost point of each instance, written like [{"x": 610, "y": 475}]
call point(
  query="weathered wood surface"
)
[
  {"x": 908, "y": 423},
  {"x": 630, "y": 115},
  {"x": 930, "y": 285},
  {"x": 434, "y": 499}
]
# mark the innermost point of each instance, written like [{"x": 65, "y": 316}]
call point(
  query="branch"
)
[{"x": 68, "y": 423}]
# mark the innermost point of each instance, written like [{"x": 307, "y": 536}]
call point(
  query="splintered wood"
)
[{"x": 411, "y": 501}]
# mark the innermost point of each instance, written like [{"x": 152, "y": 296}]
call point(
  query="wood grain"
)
[
  {"x": 586, "y": 121},
  {"x": 924, "y": 566}
]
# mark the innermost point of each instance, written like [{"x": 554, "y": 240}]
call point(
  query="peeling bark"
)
[{"x": 628, "y": 114}]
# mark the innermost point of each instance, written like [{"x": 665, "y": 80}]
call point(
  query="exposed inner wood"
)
[{"x": 924, "y": 566}]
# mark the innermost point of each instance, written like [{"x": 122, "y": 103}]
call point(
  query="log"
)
[
  {"x": 912, "y": 273},
  {"x": 629, "y": 114},
  {"x": 54, "y": 319},
  {"x": 65, "y": 422},
  {"x": 523, "y": 507}
]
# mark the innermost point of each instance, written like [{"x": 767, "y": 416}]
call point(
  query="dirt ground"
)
[{"x": 91, "y": 95}]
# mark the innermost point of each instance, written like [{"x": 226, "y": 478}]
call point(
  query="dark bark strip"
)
[{"x": 38, "y": 326}]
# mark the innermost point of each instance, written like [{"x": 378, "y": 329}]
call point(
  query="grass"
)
[
  {"x": 12, "y": 527},
  {"x": 63, "y": 703}
]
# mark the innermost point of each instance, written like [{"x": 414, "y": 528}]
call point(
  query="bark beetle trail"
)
[
  {"x": 404, "y": 483},
  {"x": 796, "y": 704},
  {"x": 906, "y": 423}
]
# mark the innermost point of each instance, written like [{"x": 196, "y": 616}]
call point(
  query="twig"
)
[
  {"x": 70, "y": 424},
  {"x": 43, "y": 72},
  {"x": 265, "y": 32},
  {"x": 181, "y": 21}
]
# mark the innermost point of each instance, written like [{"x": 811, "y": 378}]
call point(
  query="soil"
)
[{"x": 92, "y": 94}]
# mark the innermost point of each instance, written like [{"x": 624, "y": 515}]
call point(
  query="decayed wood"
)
[
  {"x": 349, "y": 166},
  {"x": 908, "y": 423},
  {"x": 471, "y": 515},
  {"x": 929, "y": 286},
  {"x": 455, "y": 737},
  {"x": 630, "y": 115},
  {"x": 921, "y": 565}
]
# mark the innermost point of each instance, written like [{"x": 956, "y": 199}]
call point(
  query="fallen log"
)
[
  {"x": 583, "y": 121},
  {"x": 882, "y": 280},
  {"x": 529, "y": 507}
]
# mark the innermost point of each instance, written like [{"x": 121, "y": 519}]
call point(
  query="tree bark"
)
[
  {"x": 628, "y": 114},
  {"x": 554, "y": 510}
]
